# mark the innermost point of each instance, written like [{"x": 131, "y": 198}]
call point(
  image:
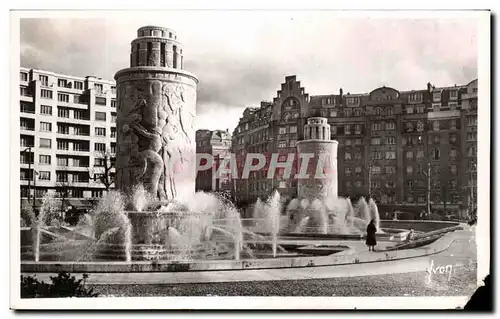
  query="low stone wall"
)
[
  {"x": 417, "y": 225},
  {"x": 439, "y": 245}
]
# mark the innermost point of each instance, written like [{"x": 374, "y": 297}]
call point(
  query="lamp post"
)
[
  {"x": 473, "y": 168},
  {"x": 35, "y": 173},
  {"x": 369, "y": 180},
  {"x": 428, "y": 181}
]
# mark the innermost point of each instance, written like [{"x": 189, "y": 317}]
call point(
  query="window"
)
[
  {"x": 113, "y": 148},
  {"x": 348, "y": 184},
  {"x": 62, "y": 161},
  {"x": 100, "y": 116},
  {"x": 100, "y": 100},
  {"x": 376, "y": 155},
  {"x": 113, "y": 132},
  {"x": 62, "y": 83},
  {"x": 436, "y": 169},
  {"x": 471, "y": 151},
  {"x": 62, "y": 129},
  {"x": 358, "y": 183},
  {"x": 415, "y": 97},
  {"x": 347, "y": 156},
  {"x": 390, "y": 170},
  {"x": 357, "y": 129},
  {"x": 348, "y": 142},
  {"x": 453, "y": 154},
  {"x": 347, "y": 171},
  {"x": 78, "y": 85},
  {"x": 453, "y": 95},
  {"x": 23, "y": 76},
  {"x": 113, "y": 90},
  {"x": 113, "y": 103},
  {"x": 376, "y": 170},
  {"x": 100, "y": 131},
  {"x": 100, "y": 147},
  {"x": 99, "y": 162},
  {"x": 347, "y": 129},
  {"x": 409, "y": 198},
  {"x": 390, "y": 126},
  {"x": 420, "y": 153},
  {"x": 420, "y": 126},
  {"x": 99, "y": 88},
  {"x": 45, "y": 127},
  {"x": 44, "y": 159},
  {"x": 437, "y": 139},
  {"x": 453, "y": 184},
  {"x": 471, "y": 136},
  {"x": 409, "y": 170},
  {"x": 436, "y": 154},
  {"x": 46, "y": 109},
  {"x": 378, "y": 111},
  {"x": 390, "y": 140},
  {"x": 390, "y": 155},
  {"x": 453, "y": 124},
  {"x": 409, "y": 127},
  {"x": 410, "y": 184},
  {"x": 63, "y": 145},
  {"x": 358, "y": 170},
  {"x": 44, "y": 176},
  {"x": 390, "y": 184},
  {"x": 409, "y": 110},
  {"x": 25, "y": 91},
  {"x": 453, "y": 169},
  {"x": 282, "y": 130},
  {"x": 357, "y": 155},
  {"x": 333, "y": 113},
  {"x": 45, "y": 143},
  {"x": 61, "y": 176},
  {"x": 44, "y": 80},
  {"x": 282, "y": 144},
  {"x": 389, "y": 111},
  {"x": 376, "y": 126},
  {"x": 293, "y": 142},
  {"x": 352, "y": 100},
  {"x": 293, "y": 128},
  {"x": 333, "y": 129},
  {"x": 375, "y": 184},
  {"x": 357, "y": 112},
  {"x": 471, "y": 120},
  {"x": 61, "y": 97},
  {"x": 46, "y": 94},
  {"x": 97, "y": 194},
  {"x": 435, "y": 126},
  {"x": 347, "y": 112},
  {"x": 62, "y": 112},
  {"x": 409, "y": 154},
  {"x": 27, "y": 107},
  {"x": 376, "y": 141},
  {"x": 436, "y": 96},
  {"x": 76, "y": 193},
  {"x": 358, "y": 141},
  {"x": 421, "y": 109}
]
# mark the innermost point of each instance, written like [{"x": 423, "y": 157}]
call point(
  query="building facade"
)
[
  {"x": 403, "y": 148},
  {"x": 67, "y": 136},
  {"x": 217, "y": 144}
]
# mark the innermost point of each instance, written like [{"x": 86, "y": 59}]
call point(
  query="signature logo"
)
[{"x": 439, "y": 269}]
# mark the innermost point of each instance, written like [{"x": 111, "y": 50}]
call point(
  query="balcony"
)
[{"x": 26, "y": 128}]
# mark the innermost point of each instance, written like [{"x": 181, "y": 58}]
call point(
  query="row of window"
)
[
  {"x": 65, "y": 83},
  {"x": 73, "y": 192}
]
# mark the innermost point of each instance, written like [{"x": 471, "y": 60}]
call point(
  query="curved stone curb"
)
[{"x": 438, "y": 246}]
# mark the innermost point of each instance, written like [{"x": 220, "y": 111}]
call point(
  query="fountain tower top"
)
[
  {"x": 317, "y": 128},
  {"x": 156, "y": 46}
]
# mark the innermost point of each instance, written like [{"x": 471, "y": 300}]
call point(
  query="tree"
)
[
  {"x": 63, "y": 192},
  {"x": 104, "y": 173}
]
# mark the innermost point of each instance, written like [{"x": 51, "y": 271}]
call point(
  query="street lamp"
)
[
  {"x": 428, "y": 182},
  {"x": 369, "y": 180}
]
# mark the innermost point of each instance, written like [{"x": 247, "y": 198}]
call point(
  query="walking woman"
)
[{"x": 371, "y": 241}]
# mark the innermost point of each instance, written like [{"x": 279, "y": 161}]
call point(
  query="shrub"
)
[{"x": 63, "y": 285}]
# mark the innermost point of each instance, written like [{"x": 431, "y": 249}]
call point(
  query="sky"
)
[{"x": 242, "y": 57}]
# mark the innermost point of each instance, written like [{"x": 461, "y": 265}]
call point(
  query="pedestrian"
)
[{"x": 371, "y": 241}]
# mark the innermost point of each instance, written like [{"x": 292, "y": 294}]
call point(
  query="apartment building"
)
[
  {"x": 404, "y": 148},
  {"x": 67, "y": 134}
]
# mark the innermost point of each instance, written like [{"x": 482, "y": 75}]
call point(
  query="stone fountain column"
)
[
  {"x": 322, "y": 173},
  {"x": 156, "y": 110}
]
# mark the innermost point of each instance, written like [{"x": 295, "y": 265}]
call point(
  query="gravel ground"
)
[{"x": 462, "y": 282}]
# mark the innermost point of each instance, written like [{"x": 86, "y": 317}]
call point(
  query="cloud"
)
[{"x": 245, "y": 59}]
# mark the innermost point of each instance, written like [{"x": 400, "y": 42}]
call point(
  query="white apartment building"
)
[{"x": 67, "y": 124}]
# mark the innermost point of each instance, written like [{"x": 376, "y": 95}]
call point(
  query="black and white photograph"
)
[{"x": 249, "y": 153}]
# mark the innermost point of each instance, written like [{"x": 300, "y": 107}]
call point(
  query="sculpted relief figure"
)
[{"x": 145, "y": 160}]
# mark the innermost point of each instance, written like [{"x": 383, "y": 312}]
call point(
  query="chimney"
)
[
  {"x": 429, "y": 86},
  {"x": 341, "y": 92}
]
